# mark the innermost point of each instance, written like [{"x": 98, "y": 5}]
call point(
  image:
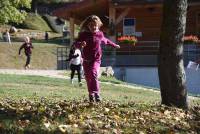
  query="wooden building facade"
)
[{"x": 147, "y": 16}]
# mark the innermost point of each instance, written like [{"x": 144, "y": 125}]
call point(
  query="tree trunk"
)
[{"x": 170, "y": 62}]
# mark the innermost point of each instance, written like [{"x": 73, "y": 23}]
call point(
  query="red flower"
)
[
  {"x": 127, "y": 39},
  {"x": 191, "y": 39}
]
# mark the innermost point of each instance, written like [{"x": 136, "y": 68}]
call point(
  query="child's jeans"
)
[
  {"x": 76, "y": 68},
  {"x": 28, "y": 59},
  {"x": 91, "y": 70}
]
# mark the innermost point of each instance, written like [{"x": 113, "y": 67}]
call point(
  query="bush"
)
[{"x": 35, "y": 22}]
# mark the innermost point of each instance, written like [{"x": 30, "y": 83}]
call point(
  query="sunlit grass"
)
[{"x": 19, "y": 86}]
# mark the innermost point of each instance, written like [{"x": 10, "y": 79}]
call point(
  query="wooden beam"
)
[
  {"x": 197, "y": 23},
  {"x": 137, "y": 5},
  {"x": 71, "y": 24},
  {"x": 194, "y": 4},
  {"x": 112, "y": 19},
  {"x": 112, "y": 14},
  {"x": 122, "y": 15}
]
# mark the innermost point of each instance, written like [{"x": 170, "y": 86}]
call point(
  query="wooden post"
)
[
  {"x": 71, "y": 24},
  {"x": 112, "y": 26},
  {"x": 112, "y": 14}
]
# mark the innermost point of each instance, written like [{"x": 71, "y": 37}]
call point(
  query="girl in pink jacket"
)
[{"x": 90, "y": 40}]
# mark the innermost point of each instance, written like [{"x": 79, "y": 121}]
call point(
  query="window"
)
[{"x": 128, "y": 26}]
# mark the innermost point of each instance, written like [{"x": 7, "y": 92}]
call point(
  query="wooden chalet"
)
[{"x": 145, "y": 14}]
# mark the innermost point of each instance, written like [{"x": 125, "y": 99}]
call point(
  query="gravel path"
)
[{"x": 47, "y": 73}]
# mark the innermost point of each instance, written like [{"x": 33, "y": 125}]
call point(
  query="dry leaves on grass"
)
[{"x": 106, "y": 117}]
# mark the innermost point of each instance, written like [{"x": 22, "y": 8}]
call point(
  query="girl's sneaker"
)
[
  {"x": 29, "y": 66},
  {"x": 91, "y": 98},
  {"x": 97, "y": 97},
  {"x": 25, "y": 67},
  {"x": 80, "y": 84}
]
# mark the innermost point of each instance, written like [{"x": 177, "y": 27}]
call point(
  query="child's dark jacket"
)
[{"x": 27, "y": 48}]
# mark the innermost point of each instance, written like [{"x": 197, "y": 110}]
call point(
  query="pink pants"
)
[{"x": 91, "y": 70}]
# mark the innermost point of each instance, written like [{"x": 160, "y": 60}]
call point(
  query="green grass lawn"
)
[
  {"x": 44, "y": 56},
  {"x": 34, "y": 104},
  {"x": 19, "y": 86},
  {"x": 36, "y": 87}
]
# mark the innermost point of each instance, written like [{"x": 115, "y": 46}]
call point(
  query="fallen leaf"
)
[
  {"x": 47, "y": 124},
  {"x": 63, "y": 128}
]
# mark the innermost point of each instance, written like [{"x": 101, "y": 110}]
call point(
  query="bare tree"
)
[{"x": 170, "y": 62}]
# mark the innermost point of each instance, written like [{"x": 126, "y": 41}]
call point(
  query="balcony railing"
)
[{"x": 143, "y": 54}]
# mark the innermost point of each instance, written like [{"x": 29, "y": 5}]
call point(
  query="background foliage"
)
[
  {"x": 35, "y": 22},
  {"x": 13, "y": 10}
]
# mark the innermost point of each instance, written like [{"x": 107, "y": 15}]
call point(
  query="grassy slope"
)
[
  {"x": 43, "y": 57},
  {"x": 36, "y": 22}
]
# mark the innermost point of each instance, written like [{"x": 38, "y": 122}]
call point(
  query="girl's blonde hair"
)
[{"x": 91, "y": 18}]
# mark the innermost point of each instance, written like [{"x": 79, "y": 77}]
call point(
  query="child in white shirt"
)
[{"x": 75, "y": 62}]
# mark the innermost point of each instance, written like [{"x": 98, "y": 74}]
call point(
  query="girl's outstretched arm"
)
[{"x": 109, "y": 42}]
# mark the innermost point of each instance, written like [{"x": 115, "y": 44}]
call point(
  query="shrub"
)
[{"x": 35, "y": 22}]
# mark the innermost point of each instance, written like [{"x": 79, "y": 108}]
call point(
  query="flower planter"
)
[{"x": 127, "y": 40}]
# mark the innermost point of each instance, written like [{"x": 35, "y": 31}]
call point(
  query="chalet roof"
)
[
  {"x": 84, "y": 8},
  {"x": 137, "y": 1},
  {"x": 147, "y": 1},
  {"x": 127, "y": 2},
  {"x": 80, "y": 10}
]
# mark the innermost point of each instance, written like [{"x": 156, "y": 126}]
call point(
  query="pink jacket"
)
[{"x": 92, "y": 51}]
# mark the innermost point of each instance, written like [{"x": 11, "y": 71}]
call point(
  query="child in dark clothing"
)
[
  {"x": 46, "y": 36},
  {"x": 27, "y": 46},
  {"x": 75, "y": 61}
]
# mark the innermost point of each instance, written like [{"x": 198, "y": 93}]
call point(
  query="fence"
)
[
  {"x": 191, "y": 53},
  {"x": 62, "y": 56},
  {"x": 144, "y": 54}
]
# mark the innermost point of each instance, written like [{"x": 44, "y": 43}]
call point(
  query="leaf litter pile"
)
[{"x": 45, "y": 116}]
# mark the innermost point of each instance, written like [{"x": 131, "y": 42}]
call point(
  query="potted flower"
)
[
  {"x": 127, "y": 40},
  {"x": 190, "y": 43},
  {"x": 191, "y": 39}
]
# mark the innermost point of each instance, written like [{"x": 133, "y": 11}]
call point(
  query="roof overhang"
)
[{"x": 80, "y": 10}]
